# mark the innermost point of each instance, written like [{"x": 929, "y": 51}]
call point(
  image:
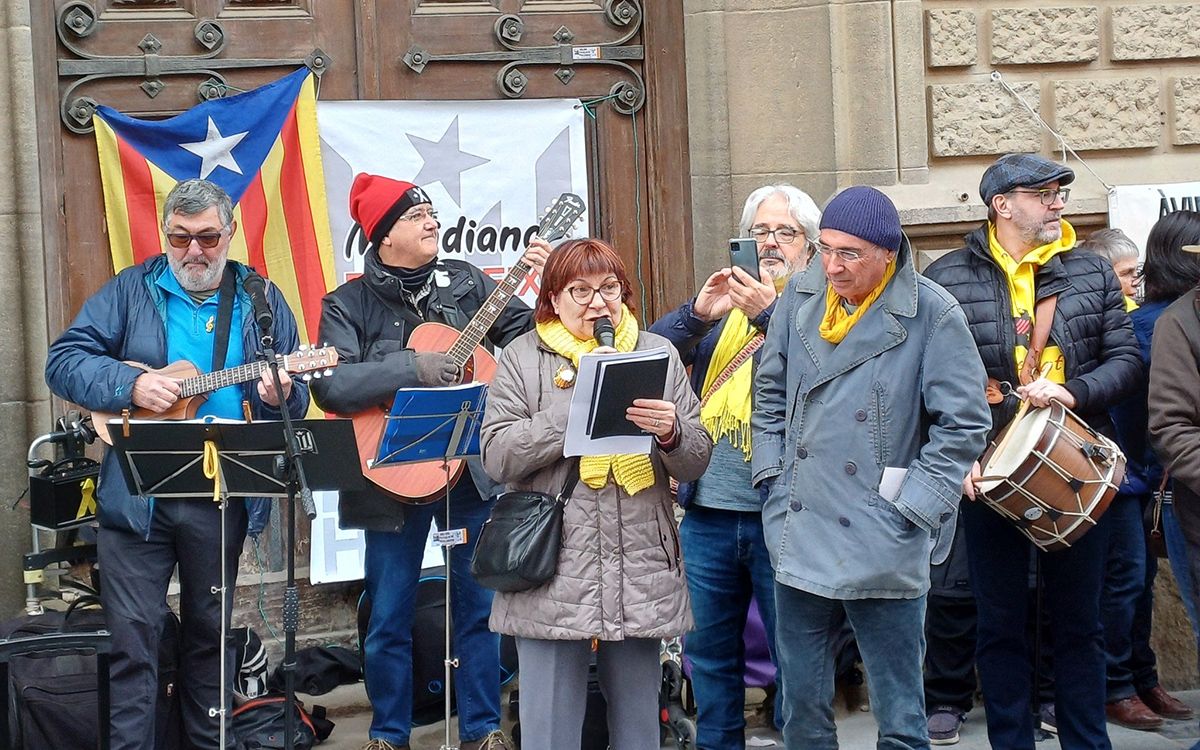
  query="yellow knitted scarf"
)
[
  {"x": 727, "y": 412},
  {"x": 837, "y": 322},
  {"x": 632, "y": 471}
]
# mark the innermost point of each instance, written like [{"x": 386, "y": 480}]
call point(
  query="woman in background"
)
[{"x": 620, "y": 588}]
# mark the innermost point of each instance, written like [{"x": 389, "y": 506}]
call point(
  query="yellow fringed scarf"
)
[
  {"x": 727, "y": 412},
  {"x": 632, "y": 471},
  {"x": 837, "y": 322}
]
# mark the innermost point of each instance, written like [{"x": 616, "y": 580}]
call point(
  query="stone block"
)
[
  {"x": 779, "y": 86},
  {"x": 1108, "y": 113},
  {"x": 864, "y": 87},
  {"x": 1185, "y": 110},
  {"x": 1156, "y": 32},
  {"x": 1035, "y": 36},
  {"x": 968, "y": 119},
  {"x": 708, "y": 123},
  {"x": 715, "y": 213},
  {"x": 951, "y": 37},
  {"x": 912, "y": 143}
]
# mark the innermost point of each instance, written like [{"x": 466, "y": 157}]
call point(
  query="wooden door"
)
[{"x": 159, "y": 57}]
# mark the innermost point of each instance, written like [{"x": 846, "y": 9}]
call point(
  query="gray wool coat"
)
[{"x": 620, "y": 573}]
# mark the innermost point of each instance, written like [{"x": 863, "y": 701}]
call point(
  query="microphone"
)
[
  {"x": 602, "y": 331},
  {"x": 256, "y": 287}
]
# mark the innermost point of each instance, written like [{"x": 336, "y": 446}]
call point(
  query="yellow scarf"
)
[
  {"x": 727, "y": 411},
  {"x": 632, "y": 471},
  {"x": 1022, "y": 290},
  {"x": 837, "y": 322}
]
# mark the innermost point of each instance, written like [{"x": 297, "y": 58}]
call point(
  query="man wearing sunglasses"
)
[
  {"x": 1017, "y": 269},
  {"x": 188, "y": 304},
  {"x": 369, "y": 319}
]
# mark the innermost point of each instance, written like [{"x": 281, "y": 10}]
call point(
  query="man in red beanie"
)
[{"x": 369, "y": 320}]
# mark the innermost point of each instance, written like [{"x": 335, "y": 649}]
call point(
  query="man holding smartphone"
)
[{"x": 718, "y": 333}]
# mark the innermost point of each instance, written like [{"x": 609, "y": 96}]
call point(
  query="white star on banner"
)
[{"x": 216, "y": 150}]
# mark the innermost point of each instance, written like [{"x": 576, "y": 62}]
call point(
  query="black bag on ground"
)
[
  {"x": 518, "y": 544},
  {"x": 258, "y": 724},
  {"x": 320, "y": 669}
]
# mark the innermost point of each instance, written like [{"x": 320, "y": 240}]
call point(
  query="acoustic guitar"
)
[
  {"x": 194, "y": 386},
  {"x": 425, "y": 482}
]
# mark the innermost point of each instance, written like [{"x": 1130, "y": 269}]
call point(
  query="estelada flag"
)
[{"x": 262, "y": 147}]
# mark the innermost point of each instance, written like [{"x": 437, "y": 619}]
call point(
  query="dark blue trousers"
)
[{"x": 999, "y": 565}]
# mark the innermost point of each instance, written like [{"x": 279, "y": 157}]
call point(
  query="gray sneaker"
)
[
  {"x": 495, "y": 740},
  {"x": 944, "y": 723},
  {"x": 378, "y": 744},
  {"x": 1046, "y": 718}
]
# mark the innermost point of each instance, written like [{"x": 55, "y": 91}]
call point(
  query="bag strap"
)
[
  {"x": 747, "y": 351},
  {"x": 1044, "y": 317},
  {"x": 569, "y": 483}
]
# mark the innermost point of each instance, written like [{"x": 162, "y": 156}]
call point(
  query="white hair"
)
[{"x": 802, "y": 208}]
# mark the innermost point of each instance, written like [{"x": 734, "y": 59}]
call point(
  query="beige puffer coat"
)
[{"x": 620, "y": 574}]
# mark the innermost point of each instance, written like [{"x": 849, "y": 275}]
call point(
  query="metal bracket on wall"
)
[
  {"x": 78, "y": 20},
  {"x": 627, "y": 96}
]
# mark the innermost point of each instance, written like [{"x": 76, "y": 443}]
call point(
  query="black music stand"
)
[
  {"x": 166, "y": 459},
  {"x": 436, "y": 424}
]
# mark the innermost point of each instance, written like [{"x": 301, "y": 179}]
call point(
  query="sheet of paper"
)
[{"x": 889, "y": 486}]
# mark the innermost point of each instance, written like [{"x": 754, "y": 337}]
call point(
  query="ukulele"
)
[
  {"x": 194, "y": 386},
  {"x": 425, "y": 482}
]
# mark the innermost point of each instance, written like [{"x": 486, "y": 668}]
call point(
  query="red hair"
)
[{"x": 575, "y": 259}]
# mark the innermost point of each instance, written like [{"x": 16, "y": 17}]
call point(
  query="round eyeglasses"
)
[{"x": 610, "y": 291}]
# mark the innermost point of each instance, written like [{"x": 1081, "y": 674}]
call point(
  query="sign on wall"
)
[{"x": 491, "y": 168}]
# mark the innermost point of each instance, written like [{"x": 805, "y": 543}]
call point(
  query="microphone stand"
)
[{"x": 290, "y": 468}]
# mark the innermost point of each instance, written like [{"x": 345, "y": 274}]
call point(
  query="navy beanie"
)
[{"x": 865, "y": 213}]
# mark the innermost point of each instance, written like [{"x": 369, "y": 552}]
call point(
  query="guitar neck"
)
[
  {"x": 211, "y": 381},
  {"x": 477, "y": 329}
]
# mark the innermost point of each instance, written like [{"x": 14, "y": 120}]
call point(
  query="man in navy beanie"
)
[{"x": 863, "y": 434}]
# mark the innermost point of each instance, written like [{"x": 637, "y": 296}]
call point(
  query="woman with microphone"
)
[{"x": 620, "y": 587}]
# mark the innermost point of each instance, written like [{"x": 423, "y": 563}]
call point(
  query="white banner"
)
[
  {"x": 1135, "y": 208},
  {"x": 491, "y": 167}
]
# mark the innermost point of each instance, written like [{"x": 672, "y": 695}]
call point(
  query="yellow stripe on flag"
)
[
  {"x": 112, "y": 179},
  {"x": 310, "y": 152},
  {"x": 277, "y": 249},
  {"x": 238, "y": 250}
]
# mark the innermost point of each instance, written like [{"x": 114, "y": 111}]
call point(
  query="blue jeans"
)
[
  {"x": 727, "y": 562},
  {"x": 393, "y": 566},
  {"x": 1125, "y": 602},
  {"x": 999, "y": 556},
  {"x": 891, "y": 639},
  {"x": 1177, "y": 549}
]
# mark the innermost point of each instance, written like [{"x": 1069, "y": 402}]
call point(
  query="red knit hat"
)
[{"x": 377, "y": 202}]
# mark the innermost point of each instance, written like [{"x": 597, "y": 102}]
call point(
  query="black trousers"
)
[
  {"x": 134, "y": 574},
  {"x": 950, "y": 652}
]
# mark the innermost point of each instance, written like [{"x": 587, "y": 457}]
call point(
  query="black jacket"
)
[
  {"x": 1102, "y": 360},
  {"x": 369, "y": 321}
]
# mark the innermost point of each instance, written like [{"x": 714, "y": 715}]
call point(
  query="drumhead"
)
[{"x": 1024, "y": 439}]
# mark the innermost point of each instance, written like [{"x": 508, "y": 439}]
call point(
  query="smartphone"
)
[{"x": 743, "y": 254}]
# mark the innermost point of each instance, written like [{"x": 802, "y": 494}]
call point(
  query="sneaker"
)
[
  {"x": 378, "y": 744},
  {"x": 495, "y": 740},
  {"x": 1046, "y": 718},
  {"x": 944, "y": 723}
]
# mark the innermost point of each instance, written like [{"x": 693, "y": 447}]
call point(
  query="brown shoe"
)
[
  {"x": 1132, "y": 713},
  {"x": 494, "y": 741},
  {"x": 1164, "y": 704}
]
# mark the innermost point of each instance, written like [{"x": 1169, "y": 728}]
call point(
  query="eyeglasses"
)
[
  {"x": 845, "y": 255},
  {"x": 183, "y": 240},
  {"x": 1048, "y": 195},
  {"x": 610, "y": 291},
  {"x": 783, "y": 235},
  {"x": 419, "y": 214}
]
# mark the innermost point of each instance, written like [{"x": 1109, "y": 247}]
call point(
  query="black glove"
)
[{"x": 435, "y": 368}]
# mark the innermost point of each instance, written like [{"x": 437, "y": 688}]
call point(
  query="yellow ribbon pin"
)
[{"x": 87, "y": 499}]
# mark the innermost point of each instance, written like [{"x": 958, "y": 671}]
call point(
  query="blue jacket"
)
[
  {"x": 1143, "y": 472},
  {"x": 125, "y": 320},
  {"x": 904, "y": 390},
  {"x": 695, "y": 339}
]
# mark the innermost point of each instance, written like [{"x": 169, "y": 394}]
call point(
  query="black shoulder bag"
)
[{"x": 518, "y": 544}]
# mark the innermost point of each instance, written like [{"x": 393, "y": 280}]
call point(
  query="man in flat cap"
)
[
  {"x": 369, "y": 319},
  {"x": 864, "y": 435},
  {"x": 1018, "y": 270}
]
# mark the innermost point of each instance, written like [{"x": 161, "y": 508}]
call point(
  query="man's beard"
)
[
  {"x": 774, "y": 271},
  {"x": 193, "y": 280}
]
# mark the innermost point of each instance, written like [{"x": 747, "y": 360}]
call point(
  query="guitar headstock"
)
[
  {"x": 311, "y": 362},
  {"x": 560, "y": 217}
]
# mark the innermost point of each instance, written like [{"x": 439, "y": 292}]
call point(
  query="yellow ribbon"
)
[{"x": 212, "y": 468}]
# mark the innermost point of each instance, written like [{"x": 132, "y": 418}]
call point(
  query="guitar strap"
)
[{"x": 224, "y": 317}]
